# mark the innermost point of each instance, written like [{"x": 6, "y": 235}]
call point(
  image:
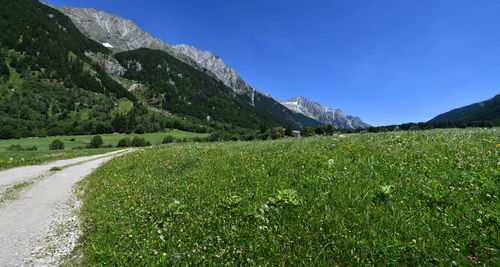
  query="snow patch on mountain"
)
[{"x": 323, "y": 114}]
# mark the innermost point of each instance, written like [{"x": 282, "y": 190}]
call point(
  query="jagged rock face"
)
[
  {"x": 323, "y": 114},
  {"x": 215, "y": 65},
  {"x": 119, "y": 33},
  {"x": 111, "y": 30},
  {"x": 108, "y": 63}
]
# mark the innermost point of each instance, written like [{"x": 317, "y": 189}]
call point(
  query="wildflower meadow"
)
[{"x": 398, "y": 198}]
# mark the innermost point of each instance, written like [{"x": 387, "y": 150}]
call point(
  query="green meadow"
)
[
  {"x": 398, "y": 198},
  {"x": 74, "y": 146}
]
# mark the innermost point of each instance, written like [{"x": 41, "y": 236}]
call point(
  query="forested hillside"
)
[
  {"x": 472, "y": 115},
  {"x": 457, "y": 113},
  {"x": 48, "y": 86},
  {"x": 181, "y": 89},
  {"x": 490, "y": 111}
]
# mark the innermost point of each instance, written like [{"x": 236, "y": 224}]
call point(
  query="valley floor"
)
[
  {"x": 397, "y": 198},
  {"x": 74, "y": 147}
]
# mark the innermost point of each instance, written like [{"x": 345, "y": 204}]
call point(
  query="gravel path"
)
[
  {"x": 40, "y": 226},
  {"x": 22, "y": 174}
]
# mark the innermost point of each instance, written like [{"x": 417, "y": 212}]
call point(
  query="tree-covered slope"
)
[
  {"x": 460, "y": 112},
  {"x": 490, "y": 111},
  {"x": 182, "y": 89},
  {"x": 48, "y": 86},
  {"x": 52, "y": 47}
]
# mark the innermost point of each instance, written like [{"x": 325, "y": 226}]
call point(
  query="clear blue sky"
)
[{"x": 386, "y": 61}]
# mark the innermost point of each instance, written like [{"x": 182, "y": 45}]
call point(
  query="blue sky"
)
[{"x": 388, "y": 62}]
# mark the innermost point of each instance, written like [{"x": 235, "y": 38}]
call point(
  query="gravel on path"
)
[{"x": 40, "y": 227}]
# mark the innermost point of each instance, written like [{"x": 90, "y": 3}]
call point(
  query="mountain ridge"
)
[
  {"x": 323, "y": 114},
  {"x": 124, "y": 35},
  {"x": 461, "y": 113}
]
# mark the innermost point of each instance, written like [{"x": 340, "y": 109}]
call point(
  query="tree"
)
[
  {"x": 307, "y": 131},
  {"x": 138, "y": 141},
  {"x": 119, "y": 123},
  {"x": 140, "y": 129},
  {"x": 320, "y": 130},
  {"x": 96, "y": 142},
  {"x": 329, "y": 129},
  {"x": 4, "y": 70},
  {"x": 56, "y": 145},
  {"x": 168, "y": 139},
  {"x": 6, "y": 132},
  {"x": 131, "y": 119},
  {"x": 100, "y": 128},
  {"x": 264, "y": 129},
  {"x": 289, "y": 130},
  {"x": 124, "y": 142}
]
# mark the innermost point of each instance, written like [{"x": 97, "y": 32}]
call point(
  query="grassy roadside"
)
[
  {"x": 80, "y": 140},
  {"x": 398, "y": 198},
  {"x": 10, "y": 159}
]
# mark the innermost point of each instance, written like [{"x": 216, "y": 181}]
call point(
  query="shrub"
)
[
  {"x": 124, "y": 142},
  {"x": 96, "y": 142},
  {"x": 307, "y": 131},
  {"x": 289, "y": 130},
  {"x": 107, "y": 146},
  {"x": 56, "y": 145},
  {"x": 168, "y": 139},
  {"x": 33, "y": 148},
  {"x": 140, "y": 130},
  {"x": 138, "y": 141},
  {"x": 15, "y": 148}
]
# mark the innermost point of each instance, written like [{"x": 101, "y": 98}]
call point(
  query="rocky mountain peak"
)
[
  {"x": 116, "y": 32},
  {"x": 215, "y": 65},
  {"x": 323, "y": 114}
]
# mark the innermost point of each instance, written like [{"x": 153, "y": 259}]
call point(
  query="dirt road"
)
[{"x": 38, "y": 224}]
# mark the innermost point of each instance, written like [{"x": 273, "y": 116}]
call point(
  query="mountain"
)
[
  {"x": 48, "y": 85},
  {"x": 323, "y": 114},
  {"x": 52, "y": 82},
  {"x": 123, "y": 34},
  {"x": 181, "y": 89},
  {"x": 120, "y": 34},
  {"x": 223, "y": 72},
  {"x": 113, "y": 31},
  {"x": 488, "y": 110}
]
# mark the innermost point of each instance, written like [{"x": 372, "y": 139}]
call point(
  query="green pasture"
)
[
  {"x": 9, "y": 159},
  {"x": 384, "y": 199}
]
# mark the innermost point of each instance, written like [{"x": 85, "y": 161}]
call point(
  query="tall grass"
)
[{"x": 404, "y": 198}]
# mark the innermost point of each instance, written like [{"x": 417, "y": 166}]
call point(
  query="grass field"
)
[
  {"x": 9, "y": 159},
  {"x": 402, "y": 198}
]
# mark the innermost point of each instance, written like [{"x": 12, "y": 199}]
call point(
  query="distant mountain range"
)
[
  {"x": 488, "y": 110},
  {"x": 323, "y": 114},
  {"x": 121, "y": 34}
]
